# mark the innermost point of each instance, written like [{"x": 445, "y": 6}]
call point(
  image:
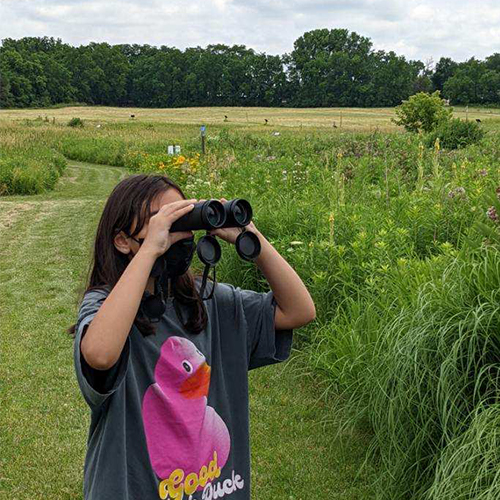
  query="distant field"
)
[{"x": 356, "y": 119}]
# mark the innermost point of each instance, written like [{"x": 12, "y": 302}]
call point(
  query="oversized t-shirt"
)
[{"x": 170, "y": 419}]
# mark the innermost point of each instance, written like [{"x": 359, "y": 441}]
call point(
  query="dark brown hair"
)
[{"x": 131, "y": 198}]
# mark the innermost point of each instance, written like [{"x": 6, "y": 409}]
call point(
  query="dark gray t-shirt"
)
[{"x": 170, "y": 419}]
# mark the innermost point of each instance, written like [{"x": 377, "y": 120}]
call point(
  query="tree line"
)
[{"x": 326, "y": 68}]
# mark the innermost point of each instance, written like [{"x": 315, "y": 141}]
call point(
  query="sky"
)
[{"x": 418, "y": 29}]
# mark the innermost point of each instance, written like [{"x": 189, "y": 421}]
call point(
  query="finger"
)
[
  {"x": 180, "y": 212},
  {"x": 177, "y": 205},
  {"x": 181, "y": 235}
]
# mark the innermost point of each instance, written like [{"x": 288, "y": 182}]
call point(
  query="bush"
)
[
  {"x": 455, "y": 133},
  {"x": 75, "y": 122},
  {"x": 422, "y": 112}
]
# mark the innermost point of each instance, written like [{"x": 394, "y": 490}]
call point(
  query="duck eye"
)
[{"x": 187, "y": 366}]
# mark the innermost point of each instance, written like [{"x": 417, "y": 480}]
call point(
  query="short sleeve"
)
[
  {"x": 265, "y": 344},
  {"x": 96, "y": 385}
]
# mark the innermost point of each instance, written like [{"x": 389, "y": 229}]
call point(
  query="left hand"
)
[{"x": 230, "y": 234}]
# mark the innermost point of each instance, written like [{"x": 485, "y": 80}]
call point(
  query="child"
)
[{"x": 169, "y": 398}]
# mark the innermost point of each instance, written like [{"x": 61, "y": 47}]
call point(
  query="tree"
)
[
  {"x": 444, "y": 70},
  {"x": 329, "y": 67},
  {"x": 422, "y": 112}
]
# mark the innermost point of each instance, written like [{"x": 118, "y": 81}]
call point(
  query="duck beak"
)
[{"x": 197, "y": 384}]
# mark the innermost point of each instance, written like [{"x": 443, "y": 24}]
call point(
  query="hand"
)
[
  {"x": 158, "y": 237},
  {"x": 230, "y": 234}
]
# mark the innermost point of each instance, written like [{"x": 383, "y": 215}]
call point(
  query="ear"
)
[{"x": 121, "y": 243}]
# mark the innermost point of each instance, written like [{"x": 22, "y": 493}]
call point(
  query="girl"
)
[{"x": 169, "y": 398}]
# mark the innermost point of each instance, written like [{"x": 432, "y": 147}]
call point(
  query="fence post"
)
[{"x": 203, "y": 128}]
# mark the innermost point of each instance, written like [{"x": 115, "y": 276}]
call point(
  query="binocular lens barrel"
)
[
  {"x": 238, "y": 213},
  {"x": 207, "y": 215}
]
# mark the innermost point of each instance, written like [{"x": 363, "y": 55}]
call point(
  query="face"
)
[{"x": 129, "y": 246}]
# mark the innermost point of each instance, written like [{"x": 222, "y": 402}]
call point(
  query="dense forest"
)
[{"x": 326, "y": 68}]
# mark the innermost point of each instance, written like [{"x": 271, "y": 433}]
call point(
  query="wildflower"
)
[
  {"x": 492, "y": 214},
  {"x": 459, "y": 191}
]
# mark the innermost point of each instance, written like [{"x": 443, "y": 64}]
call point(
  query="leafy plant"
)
[
  {"x": 422, "y": 112},
  {"x": 455, "y": 133},
  {"x": 76, "y": 122}
]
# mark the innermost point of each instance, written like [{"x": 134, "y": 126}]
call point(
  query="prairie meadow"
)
[{"x": 392, "y": 391}]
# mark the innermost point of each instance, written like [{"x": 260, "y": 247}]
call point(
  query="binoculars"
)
[{"x": 213, "y": 214}]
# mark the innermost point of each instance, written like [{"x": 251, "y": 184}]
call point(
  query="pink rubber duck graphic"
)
[{"x": 182, "y": 431}]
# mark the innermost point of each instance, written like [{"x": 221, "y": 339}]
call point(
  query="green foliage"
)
[
  {"x": 436, "y": 366},
  {"x": 455, "y": 133},
  {"x": 29, "y": 170},
  {"x": 328, "y": 67},
  {"x": 422, "y": 112},
  {"x": 76, "y": 122},
  {"x": 474, "y": 81}
]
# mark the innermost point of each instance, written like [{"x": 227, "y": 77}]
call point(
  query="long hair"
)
[{"x": 131, "y": 198}]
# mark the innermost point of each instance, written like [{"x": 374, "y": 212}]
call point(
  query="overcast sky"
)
[{"x": 418, "y": 29}]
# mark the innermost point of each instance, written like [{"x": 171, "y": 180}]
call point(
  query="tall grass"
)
[{"x": 27, "y": 164}]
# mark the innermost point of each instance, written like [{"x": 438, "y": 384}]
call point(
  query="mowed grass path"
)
[{"x": 46, "y": 242}]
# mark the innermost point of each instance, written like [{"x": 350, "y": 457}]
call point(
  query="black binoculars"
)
[{"x": 213, "y": 214}]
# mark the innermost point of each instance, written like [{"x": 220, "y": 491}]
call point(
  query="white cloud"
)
[{"x": 417, "y": 29}]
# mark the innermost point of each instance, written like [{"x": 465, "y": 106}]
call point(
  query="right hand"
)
[{"x": 158, "y": 238}]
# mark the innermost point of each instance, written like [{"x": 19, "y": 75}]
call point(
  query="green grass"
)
[{"x": 46, "y": 246}]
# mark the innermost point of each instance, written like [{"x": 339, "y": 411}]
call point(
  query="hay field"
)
[{"x": 355, "y": 119}]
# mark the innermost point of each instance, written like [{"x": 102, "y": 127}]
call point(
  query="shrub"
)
[
  {"x": 455, "y": 133},
  {"x": 422, "y": 112},
  {"x": 75, "y": 122}
]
